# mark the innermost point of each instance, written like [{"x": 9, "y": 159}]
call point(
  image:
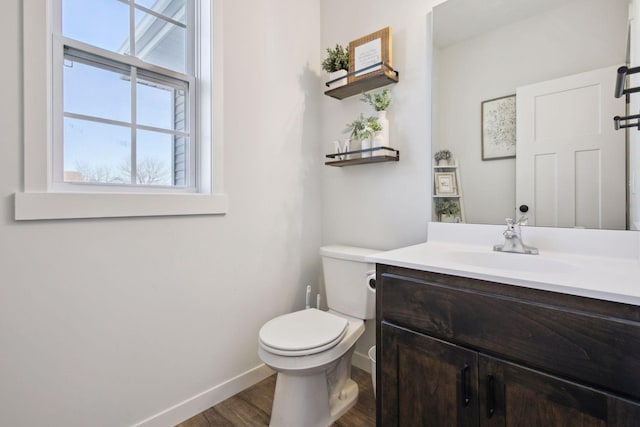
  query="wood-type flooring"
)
[{"x": 252, "y": 407}]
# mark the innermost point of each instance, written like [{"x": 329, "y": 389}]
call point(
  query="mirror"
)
[{"x": 484, "y": 52}]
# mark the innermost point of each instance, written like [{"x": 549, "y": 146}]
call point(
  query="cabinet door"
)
[
  {"x": 512, "y": 395},
  {"x": 425, "y": 381}
]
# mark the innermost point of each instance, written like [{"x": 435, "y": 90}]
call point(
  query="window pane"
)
[
  {"x": 110, "y": 91},
  {"x": 101, "y": 23},
  {"x": 160, "y": 43},
  {"x": 155, "y": 158},
  {"x": 96, "y": 152},
  {"x": 174, "y": 9},
  {"x": 160, "y": 105}
]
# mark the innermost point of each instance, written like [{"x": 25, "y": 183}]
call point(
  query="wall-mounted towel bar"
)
[
  {"x": 623, "y": 72},
  {"x": 618, "y": 119},
  {"x": 621, "y": 122}
]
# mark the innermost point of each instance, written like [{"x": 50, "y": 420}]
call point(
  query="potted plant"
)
[
  {"x": 357, "y": 127},
  {"x": 362, "y": 129},
  {"x": 380, "y": 102},
  {"x": 370, "y": 128},
  {"x": 447, "y": 210},
  {"x": 337, "y": 65},
  {"x": 442, "y": 157}
]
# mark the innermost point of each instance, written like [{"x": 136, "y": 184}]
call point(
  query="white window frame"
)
[{"x": 42, "y": 199}]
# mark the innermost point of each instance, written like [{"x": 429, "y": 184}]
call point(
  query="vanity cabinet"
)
[{"x": 455, "y": 351}]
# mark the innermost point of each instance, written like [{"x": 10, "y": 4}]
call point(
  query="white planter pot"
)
[
  {"x": 366, "y": 143},
  {"x": 384, "y": 122},
  {"x": 336, "y": 75},
  {"x": 378, "y": 141},
  {"x": 447, "y": 218},
  {"x": 443, "y": 162}
]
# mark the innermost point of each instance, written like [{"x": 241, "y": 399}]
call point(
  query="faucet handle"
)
[{"x": 510, "y": 232}]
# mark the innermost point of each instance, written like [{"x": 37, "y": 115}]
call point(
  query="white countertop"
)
[{"x": 611, "y": 275}]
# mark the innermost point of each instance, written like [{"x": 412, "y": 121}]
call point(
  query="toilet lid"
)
[{"x": 303, "y": 332}]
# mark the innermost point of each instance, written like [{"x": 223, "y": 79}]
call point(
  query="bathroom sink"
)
[{"x": 511, "y": 261}]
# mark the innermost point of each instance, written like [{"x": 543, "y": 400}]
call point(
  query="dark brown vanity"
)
[{"x": 456, "y": 351}]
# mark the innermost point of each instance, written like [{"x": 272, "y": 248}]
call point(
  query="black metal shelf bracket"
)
[
  {"x": 370, "y": 67},
  {"x": 618, "y": 119},
  {"x": 388, "y": 151},
  {"x": 623, "y": 72}
]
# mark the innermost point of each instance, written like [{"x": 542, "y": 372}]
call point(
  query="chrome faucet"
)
[{"x": 513, "y": 239}]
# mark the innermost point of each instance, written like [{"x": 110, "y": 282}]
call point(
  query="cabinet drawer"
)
[{"x": 593, "y": 348}]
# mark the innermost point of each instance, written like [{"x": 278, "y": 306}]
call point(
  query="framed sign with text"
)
[{"x": 367, "y": 53}]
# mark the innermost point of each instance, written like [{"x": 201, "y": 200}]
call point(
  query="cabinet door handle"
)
[
  {"x": 491, "y": 395},
  {"x": 464, "y": 386}
]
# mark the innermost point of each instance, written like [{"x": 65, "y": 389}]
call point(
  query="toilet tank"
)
[{"x": 347, "y": 279}]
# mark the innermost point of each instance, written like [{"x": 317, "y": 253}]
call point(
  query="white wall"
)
[
  {"x": 386, "y": 205},
  {"x": 108, "y": 322},
  {"x": 380, "y": 205},
  {"x": 592, "y": 35}
]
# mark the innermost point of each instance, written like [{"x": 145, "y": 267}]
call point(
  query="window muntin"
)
[
  {"x": 162, "y": 42},
  {"x": 174, "y": 10},
  {"x": 106, "y": 92}
]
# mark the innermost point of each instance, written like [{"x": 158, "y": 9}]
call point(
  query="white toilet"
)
[{"x": 311, "y": 350}]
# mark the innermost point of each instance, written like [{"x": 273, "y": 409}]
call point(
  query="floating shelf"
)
[
  {"x": 385, "y": 154},
  {"x": 383, "y": 76}
]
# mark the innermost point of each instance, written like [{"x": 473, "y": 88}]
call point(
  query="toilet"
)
[{"x": 311, "y": 350}]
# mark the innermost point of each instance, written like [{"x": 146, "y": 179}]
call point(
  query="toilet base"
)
[
  {"x": 350, "y": 397},
  {"x": 315, "y": 400},
  {"x": 297, "y": 392}
]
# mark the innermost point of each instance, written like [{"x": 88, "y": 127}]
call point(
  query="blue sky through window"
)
[
  {"x": 97, "y": 150},
  {"x": 101, "y": 23},
  {"x": 96, "y": 92}
]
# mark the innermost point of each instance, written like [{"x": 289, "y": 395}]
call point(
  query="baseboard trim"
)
[
  {"x": 361, "y": 361},
  {"x": 208, "y": 398}
]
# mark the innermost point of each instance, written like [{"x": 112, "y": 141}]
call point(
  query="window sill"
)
[{"x": 43, "y": 205}]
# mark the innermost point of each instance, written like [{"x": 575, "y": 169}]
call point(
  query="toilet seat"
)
[{"x": 302, "y": 333}]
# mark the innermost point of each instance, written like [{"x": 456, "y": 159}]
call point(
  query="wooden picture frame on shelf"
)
[
  {"x": 445, "y": 183},
  {"x": 367, "y": 51}
]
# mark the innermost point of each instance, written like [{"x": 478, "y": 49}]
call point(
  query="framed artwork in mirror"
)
[
  {"x": 446, "y": 184},
  {"x": 498, "y": 118}
]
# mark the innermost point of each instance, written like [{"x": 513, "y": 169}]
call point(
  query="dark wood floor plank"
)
[
  {"x": 260, "y": 395},
  {"x": 238, "y": 413},
  {"x": 252, "y": 407},
  {"x": 198, "y": 421}
]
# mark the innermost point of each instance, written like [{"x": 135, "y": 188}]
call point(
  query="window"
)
[
  {"x": 121, "y": 125},
  {"x": 135, "y": 59}
]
